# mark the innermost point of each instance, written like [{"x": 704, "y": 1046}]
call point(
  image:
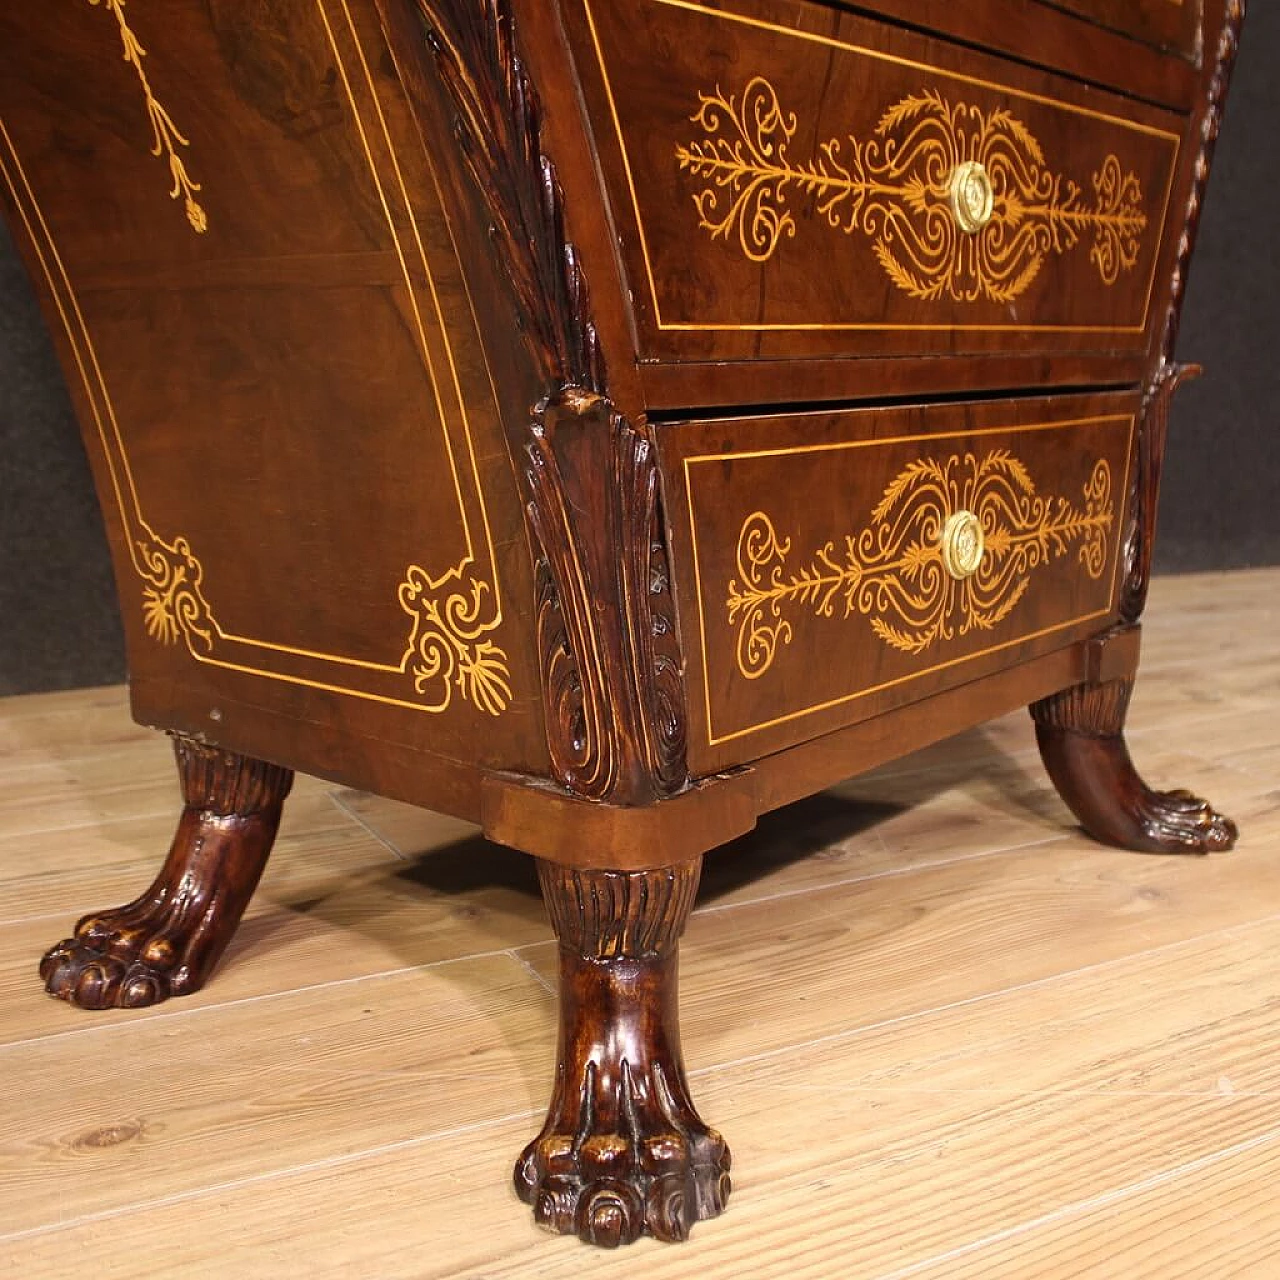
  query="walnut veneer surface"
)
[{"x": 608, "y": 422}]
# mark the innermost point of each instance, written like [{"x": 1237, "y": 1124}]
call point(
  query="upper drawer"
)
[
  {"x": 1167, "y": 24},
  {"x": 791, "y": 181}
]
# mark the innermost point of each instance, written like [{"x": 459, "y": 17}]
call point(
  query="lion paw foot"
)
[
  {"x": 130, "y": 959},
  {"x": 657, "y": 1172},
  {"x": 1179, "y": 822}
]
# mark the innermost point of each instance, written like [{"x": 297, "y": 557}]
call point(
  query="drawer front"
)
[
  {"x": 829, "y": 567},
  {"x": 1167, "y": 24},
  {"x": 788, "y": 180}
]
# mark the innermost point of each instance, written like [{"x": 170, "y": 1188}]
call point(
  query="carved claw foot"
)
[
  {"x": 1174, "y": 821},
  {"x": 623, "y": 1152},
  {"x": 1080, "y": 733},
  {"x": 635, "y": 1159},
  {"x": 167, "y": 942}
]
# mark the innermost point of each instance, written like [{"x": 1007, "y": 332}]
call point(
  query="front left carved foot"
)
[
  {"x": 634, "y": 1159},
  {"x": 623, "y": 1152},
  {"x": 1080, "y": 732},
  {"x": 167, "y": 942}
]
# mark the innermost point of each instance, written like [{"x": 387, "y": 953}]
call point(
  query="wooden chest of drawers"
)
[{"x": 606, "y": 421}]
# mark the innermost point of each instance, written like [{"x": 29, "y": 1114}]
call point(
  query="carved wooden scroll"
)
[{"x": 612, "y": 672}]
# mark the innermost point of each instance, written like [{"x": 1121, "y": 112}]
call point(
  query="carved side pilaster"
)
[
  {"x": 612, "y": 669},
  {"x": 1168, "y": 376},
  {"x": 498, "y": 130},
  {"x": 614, "y": 693},
  {"x": 1210, "y": 127},
  {"x": 1144, "y": 490},
  {"x": 653, "y": 643}
]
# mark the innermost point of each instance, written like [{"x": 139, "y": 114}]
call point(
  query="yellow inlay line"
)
[
  {"x": 80, "y": 356},
  {"x": 395, "y": 238},
  {"x": 163, "y": 129},
  {"x": 694, "y": 6},
  {"x": 440, "y": 320}
]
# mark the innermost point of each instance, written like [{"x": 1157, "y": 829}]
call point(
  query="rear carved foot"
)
[
  {"x": 1081, "y": 736},
  {"x": 1177, "y": 820},
  {"x": 623, "y": 1152},
  {"x": 167, "y": 942}
]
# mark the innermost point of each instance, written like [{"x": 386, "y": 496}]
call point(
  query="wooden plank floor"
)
[{"x": 945, "y": 1034}]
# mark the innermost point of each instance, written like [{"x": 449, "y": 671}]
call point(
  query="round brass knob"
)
[
  {"x": 972, "y": 199},
  {"x": 963, "y": 544}
]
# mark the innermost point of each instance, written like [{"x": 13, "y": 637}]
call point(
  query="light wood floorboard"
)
[{"x": 946, "y": 1035}]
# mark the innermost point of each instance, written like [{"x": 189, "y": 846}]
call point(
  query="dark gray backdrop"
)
[{"x": 1220, "y": 507}]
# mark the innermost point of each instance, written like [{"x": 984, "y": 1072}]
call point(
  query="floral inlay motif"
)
[
  {"x": 895, "y": 571},
  {"x": 958, "y": 202},
  {"x": 167, "y": 138}
]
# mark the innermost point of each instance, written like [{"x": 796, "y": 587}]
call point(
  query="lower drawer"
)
[{"x": 830, "y": 566}]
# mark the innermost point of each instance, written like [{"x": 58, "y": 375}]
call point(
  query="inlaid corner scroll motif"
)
[
  {"x": 951, "y": 549},
  {"x": 959, "y": 202},
  {"x": 448, "y": 648},
  {"x": 167, "y": 139},
  {"x": 173, "y": 604}
]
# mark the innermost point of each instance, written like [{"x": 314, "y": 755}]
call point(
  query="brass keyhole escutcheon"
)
[
  {"x": 972, "y": 199},
  {"x": 963, "y": 545}
]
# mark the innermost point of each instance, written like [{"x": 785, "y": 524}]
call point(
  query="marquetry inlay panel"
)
[
  {"x": 956, "y": 202},
  {"x": 884, "y": 554},
  {"x": 949, "y": 550},
  {"x": 441, "y": 606},
  {"x": 831, "y": 185}
]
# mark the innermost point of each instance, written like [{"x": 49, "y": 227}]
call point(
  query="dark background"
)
[{"x": 1219, "y": 509}]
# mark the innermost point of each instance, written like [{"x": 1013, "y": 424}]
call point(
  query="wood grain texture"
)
[
  {"x": 384, "y": 511},
  {"x": 339, "y": 351},
  {"x": 454, "y": 155},
  {"x": 990, "y": 1060},
  {"x": 1163, "y": 23},
  {"x": 730, "y": 189},
  {"x": 808, "y": 568}
]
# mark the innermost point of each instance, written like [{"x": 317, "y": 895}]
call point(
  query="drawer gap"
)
[{"x": 666, "y": 416}]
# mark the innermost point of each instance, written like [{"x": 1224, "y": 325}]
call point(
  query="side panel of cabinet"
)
[{"x": 268, "y": 329}]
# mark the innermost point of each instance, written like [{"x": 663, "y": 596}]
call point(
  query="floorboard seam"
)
[
  {"x": 360, "y": 822},
  {"x": 249, "y": 1180},
  {"x": 1036, "y": 984},
  {"x": 1087, "y": 1205}
]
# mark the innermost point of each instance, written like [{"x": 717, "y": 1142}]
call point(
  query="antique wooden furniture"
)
[{"x": 853, "y": 442}]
